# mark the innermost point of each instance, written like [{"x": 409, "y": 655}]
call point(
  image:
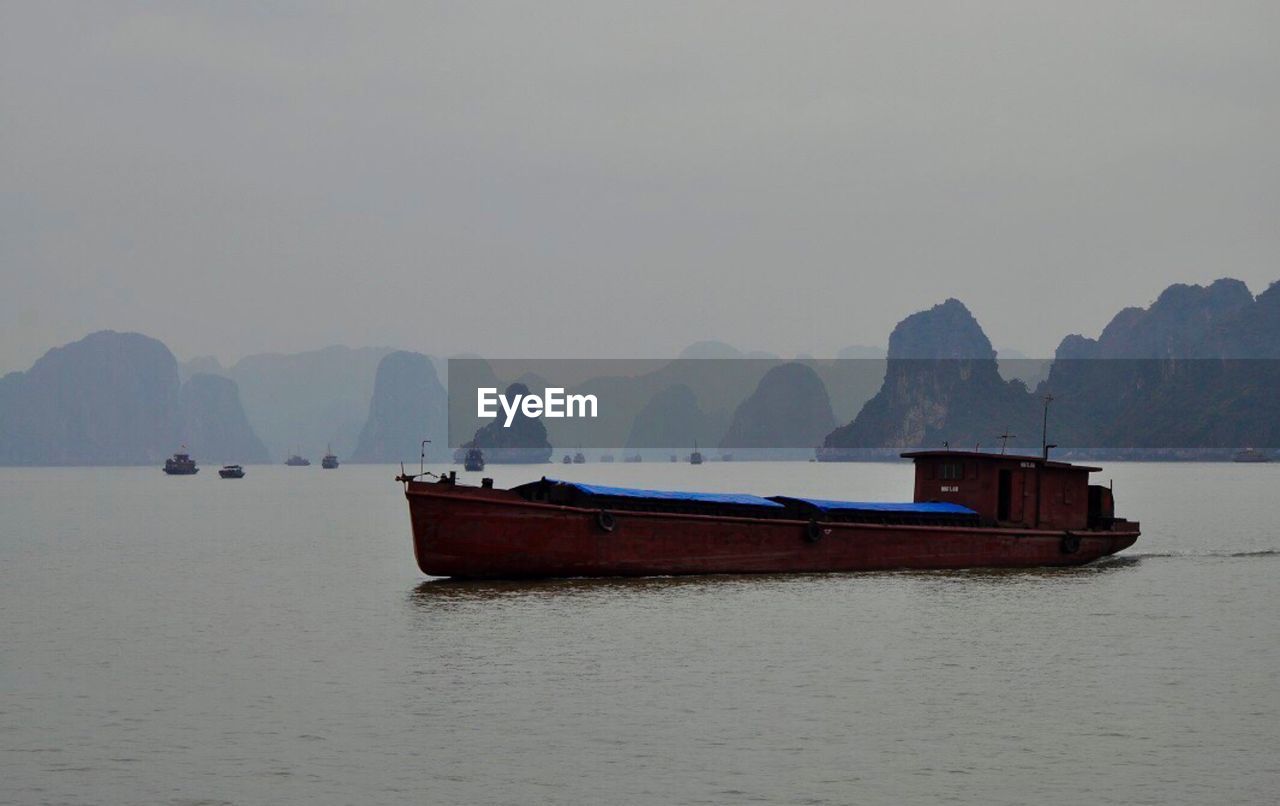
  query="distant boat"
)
[
  {"x": 634, "y": 458},
  {"x": 181, "y": 465},
  {"x": 474, "y": 460},
  {"x": 231, "y": 472},
  {"x": 607, "y": 458},
  {"x": 329, "y": 462},
  {"x": 1251, "y": 455},
  {"x": 566, "y": 460},
  {"x": 297, "y": 461},
  {"x": 579, "y": 458},
  {"x": 695, "y": 458}
]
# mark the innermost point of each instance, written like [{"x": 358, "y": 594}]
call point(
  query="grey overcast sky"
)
[{"x": 601, "y": 178}]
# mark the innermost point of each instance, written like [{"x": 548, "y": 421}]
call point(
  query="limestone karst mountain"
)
[
  {"x": 942, "y": 384},
  {"x": 1185, "y": 321},
  {"x": 673, "y": 419},
  {"x": 1192, "y": 376},
  {"x": 523, "y": 442},
  {"x": 790, "y": 408},
  {"x": 308, "y": 400},
  {"x": 214, "y": 425},
  {"x": 409, "y": 405},
  {"x": 1196, "y": 370},
  {"x": 115, "y": 399}
]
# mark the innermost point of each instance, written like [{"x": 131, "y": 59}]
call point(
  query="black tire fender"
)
[
  {"x": 813, "y": 532},
  {"x": 606, "y": 521}
]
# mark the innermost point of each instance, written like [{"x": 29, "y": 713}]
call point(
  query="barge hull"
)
[{"x": 481, "y": 533}]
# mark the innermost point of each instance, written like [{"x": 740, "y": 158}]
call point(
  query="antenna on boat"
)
[
  {"x": 1004, "y": 439},
  {"x": 946, "y": 445},
  {"x": 1044, "y": 428},
  {"x": 422, "y": 459}
]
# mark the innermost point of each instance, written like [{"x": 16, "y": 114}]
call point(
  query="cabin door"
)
[
  {"x": 1018, "y": 497},
  {"x": 1004, "y": 495}
]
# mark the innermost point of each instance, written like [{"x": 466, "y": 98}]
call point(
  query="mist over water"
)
[{"x": 177, "y": 640}]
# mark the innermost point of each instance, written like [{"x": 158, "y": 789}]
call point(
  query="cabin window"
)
[{"x": 952, "y": 471}]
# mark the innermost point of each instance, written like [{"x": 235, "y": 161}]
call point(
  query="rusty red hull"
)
[{"x": 468, "y": 532}]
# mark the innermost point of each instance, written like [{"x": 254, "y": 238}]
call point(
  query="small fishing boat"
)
[
  {"x": 474, "y": 461},
  {"x": 566, "y": 460},
  {"x": 633, "y": 458},
  {"x": 1251, "y": 455},
  {"x": 579, "y": 458},
  {"x": 181, "y": 464},
  {"x": 297, "y": 461},
  {"x": 695, "y": 458},
  {"x": 231, "y": 472},
  {"x": 329, "y": 461}
]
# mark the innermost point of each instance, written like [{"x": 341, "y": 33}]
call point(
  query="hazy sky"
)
[{"x": 600, "y": 179}]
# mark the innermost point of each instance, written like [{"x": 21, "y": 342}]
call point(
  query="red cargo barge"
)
[{"x": 970, "y": 510}]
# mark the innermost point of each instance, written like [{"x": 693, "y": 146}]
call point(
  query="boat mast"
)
[
  {"x": 1044, "y": 428},
  {"x": 1044, "y": 452},
  {"x": 1004, "y": 439}
]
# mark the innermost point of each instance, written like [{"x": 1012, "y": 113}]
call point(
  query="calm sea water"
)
[{"x": 269, "y": 640}]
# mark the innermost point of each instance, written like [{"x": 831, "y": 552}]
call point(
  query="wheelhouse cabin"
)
[{"x": 1014, "y": 491}]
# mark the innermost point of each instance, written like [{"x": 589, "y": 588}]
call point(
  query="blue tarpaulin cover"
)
[
  {"x": 667, "y": 495},
  {"x": 929, "y": 508}
]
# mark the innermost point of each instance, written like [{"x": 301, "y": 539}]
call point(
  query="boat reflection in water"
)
[{"x": 438, "y": 591}]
